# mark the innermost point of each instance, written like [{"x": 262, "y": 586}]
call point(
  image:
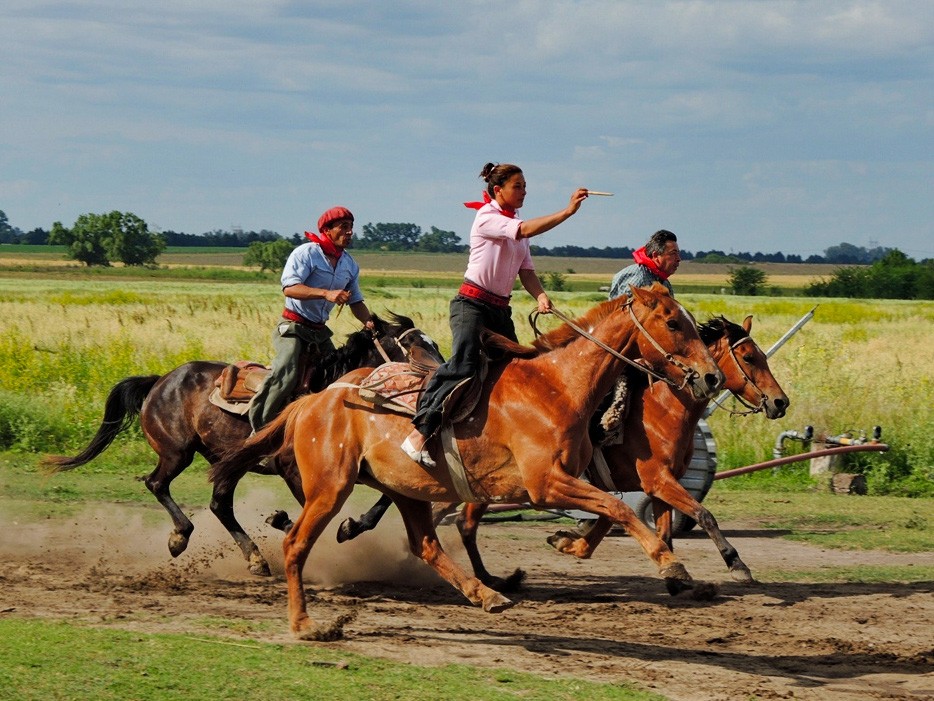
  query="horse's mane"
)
[
  {"x": 558, "y": 338},
  {"x": 717, "y": 327}
]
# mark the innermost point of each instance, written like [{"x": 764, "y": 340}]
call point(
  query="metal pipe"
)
[{"x": 863, "y": 447}]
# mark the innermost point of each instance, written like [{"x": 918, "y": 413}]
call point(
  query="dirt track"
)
[{"x": 608, "y": 618}]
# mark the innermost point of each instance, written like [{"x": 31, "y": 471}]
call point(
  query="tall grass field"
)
[{"x": 68, "y": 338}]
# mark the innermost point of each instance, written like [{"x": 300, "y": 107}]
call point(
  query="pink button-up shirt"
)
[{"x": 496, "y": 254}]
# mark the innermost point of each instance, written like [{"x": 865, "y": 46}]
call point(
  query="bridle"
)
[
  {"x": 690, "y": 374},
  {"x": 763, "y": 399},
  {"x": 398, "y": 340}
]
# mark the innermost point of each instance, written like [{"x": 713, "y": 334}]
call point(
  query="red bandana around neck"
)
[
  {"x": 642, "y": 258},
  {"x": 327, "y": 245},
  {"x": 511, "y": 213}
]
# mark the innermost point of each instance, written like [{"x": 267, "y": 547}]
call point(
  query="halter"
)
[
  {"x": 763, "y": 399},
  {"x": 690, "y": 374}
]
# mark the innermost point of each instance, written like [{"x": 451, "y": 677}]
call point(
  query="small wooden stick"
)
[{"x": 602, "y": 194}]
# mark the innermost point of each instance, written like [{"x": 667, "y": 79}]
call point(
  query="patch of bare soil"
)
[{"x": 608, "y": 618}]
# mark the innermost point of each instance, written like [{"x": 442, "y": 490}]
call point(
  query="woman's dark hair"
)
[{"x": 498, "y": 175}]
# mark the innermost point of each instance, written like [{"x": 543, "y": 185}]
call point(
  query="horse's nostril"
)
[{"x": 713, "y": 380}]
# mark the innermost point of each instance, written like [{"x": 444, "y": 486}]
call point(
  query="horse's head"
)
[
  {"x": 744, "y": 365},
  {"x": 402, "y": 340},
  {"x": 668, "y": 341}
]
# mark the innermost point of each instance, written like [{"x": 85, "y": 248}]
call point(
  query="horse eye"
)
[
  {"x": 748, "y": 358},
  {"x": 672, "y": 325}
]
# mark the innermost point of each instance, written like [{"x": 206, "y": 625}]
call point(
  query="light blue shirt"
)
[
  {"x": 307, "y": 265},
  {"x": 635, "y": 275}
]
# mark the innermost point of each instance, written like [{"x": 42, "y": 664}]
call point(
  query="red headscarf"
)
[
  {"x": 327, "y": 245},
  {"x": 642, "y": 258}
]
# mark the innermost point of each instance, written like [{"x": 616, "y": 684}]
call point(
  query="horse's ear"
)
[
  {"x": 645, "y": 296},
  {"x": 747, "y": 323}
]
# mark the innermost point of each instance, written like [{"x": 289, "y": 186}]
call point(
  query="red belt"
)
[
  {"x": 468, "y": 289},
  {"x": 289, "y": 315}
]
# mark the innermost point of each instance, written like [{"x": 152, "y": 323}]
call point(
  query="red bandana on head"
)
[
  {"x": 642, "y": 258},
  {"x": 327, "y": 245},
  {"x": 511, "y": 213}
]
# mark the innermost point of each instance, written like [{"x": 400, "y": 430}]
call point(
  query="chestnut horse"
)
[
  {"x": 525, "y": 439},
  {"x": 178, "y": 420},
  {"x": 657, "y": 444},
  {"x": 656, "y": 448}
]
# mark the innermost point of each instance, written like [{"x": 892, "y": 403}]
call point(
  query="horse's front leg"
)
[
  {"x": 423, "y": 541},
  {"x": 669, "y": 490},
  {"x": 350, "y": 528},
  {"x": 320, "y": 507},
  {"x": 560, "y": 490},
  {"x": 468, "y": 521}
]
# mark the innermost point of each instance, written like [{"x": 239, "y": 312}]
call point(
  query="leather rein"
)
[{"x": 690, "y": 374}]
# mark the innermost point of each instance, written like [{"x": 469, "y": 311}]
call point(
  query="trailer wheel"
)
[{"x": 679, "y": 522}]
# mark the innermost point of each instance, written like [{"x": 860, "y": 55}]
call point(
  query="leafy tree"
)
[
  {"x": 7, "y": 233},
  {"x": 389, "y": 237},
  {"x": 269, "y": 255},
  {"x": 130, "y": 241},
  {"x": 96, "y": 239},
  {"x": 85, "y": 240},
  {"x": 35, "y": 237},
  {"x": 746, "y": 280},
  {"x": 439, "y": 241},
  {"x": 555, "y": 281}
]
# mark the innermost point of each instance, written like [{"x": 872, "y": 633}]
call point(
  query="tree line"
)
[{"x": 99, "y": 239}]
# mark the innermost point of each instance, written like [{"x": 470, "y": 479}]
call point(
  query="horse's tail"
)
[
  {"x": 238, "y": 460},
  {"x": 120, "y": 410}
]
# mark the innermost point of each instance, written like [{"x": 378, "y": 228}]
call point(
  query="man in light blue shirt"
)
[
  {"x": 318, "y": 275},
  {"x": 654, "y": 262}
]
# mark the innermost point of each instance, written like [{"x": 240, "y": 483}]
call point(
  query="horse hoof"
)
[
  {"x": 677, "y": 578},
  {"x": 740, "y": 573},
  {"x": 496, "y": 603},
  {"x": 178, "y": 543},
  {"x": 348, "y": 530},
  {"x": 280, "y": 521},
  {"x": 260, "y": 568},
  {"x": 324, "y": 632}
]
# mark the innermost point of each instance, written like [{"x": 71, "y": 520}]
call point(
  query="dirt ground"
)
[{"x": 608, "y": 618}]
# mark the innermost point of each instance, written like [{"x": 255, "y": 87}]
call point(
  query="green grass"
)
[
  {"x": 897, "y": 524},
  {"x": 862, "y": 574},
  {"x": 58, "y": 661}
]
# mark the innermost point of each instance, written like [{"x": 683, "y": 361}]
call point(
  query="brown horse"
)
[
  {"x": 525, "y": 440},
  {"x": 178, "y": 420},
  {"x": 656, "y": 448}
]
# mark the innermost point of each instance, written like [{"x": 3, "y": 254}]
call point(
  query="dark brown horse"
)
[
  {"x": 525, "y": 440},
  {"x": 655, "y": 452},
  {"x": 657, "y": 445},
  {"x": 178, "y": 420}
]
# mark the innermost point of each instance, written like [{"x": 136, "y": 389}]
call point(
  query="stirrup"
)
[{"x": 422, "y": 457}]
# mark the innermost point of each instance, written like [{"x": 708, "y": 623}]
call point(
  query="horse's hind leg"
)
[
  {"x": 158, "y": 482},
  {"x": 423, "y": 541},
  {"x": 222, "y": 508},
  {"x": 581, "y": 543},
  {"x": 468, "y": 521}
]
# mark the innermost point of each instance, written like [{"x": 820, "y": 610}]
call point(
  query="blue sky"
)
[{"x": 744, "y": 126}]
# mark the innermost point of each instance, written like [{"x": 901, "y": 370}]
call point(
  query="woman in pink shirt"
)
[{"x": 499, "y": 251}]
